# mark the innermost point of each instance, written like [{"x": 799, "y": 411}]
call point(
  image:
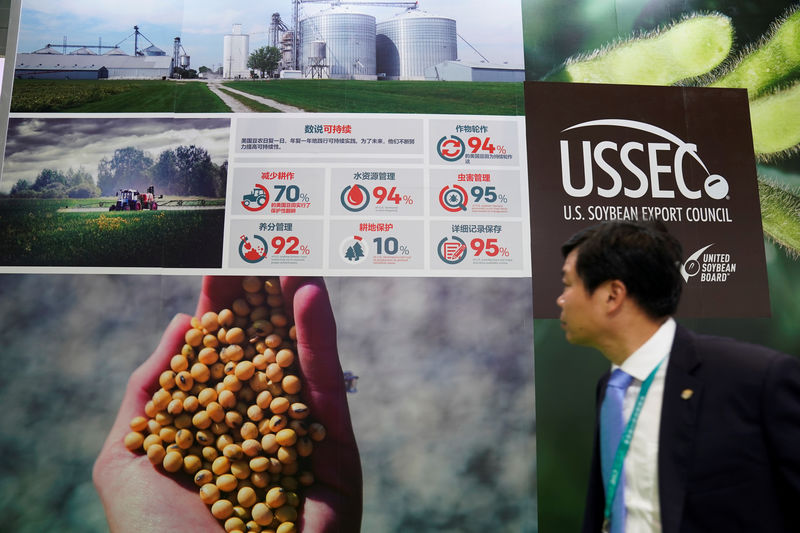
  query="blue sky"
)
[{"x": 496, "y": 31}]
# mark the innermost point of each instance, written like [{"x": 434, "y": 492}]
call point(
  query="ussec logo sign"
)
[
  {"x": 652, "y": 175},
  {"x": 680, "y": 155}
]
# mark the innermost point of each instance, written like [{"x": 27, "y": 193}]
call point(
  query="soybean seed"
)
[
  {"x": 192, "y": 464},
  {"x": 222, "y": 509},
  {"x": 203, "y": 476},
  {"x": 134, "y": 440},
  {"x": 246, "y": 497},
  {"x": 262, "y": 514},
  {"x": 194, "y": 337},
  {"x": 173, "y": 461},
  {"x": 291, "y": 384},
  {"x": 286, "y": 437},
  {"x": 286, "y": 527},
  {"x": 234, "y": 525},
  {"x": 156, "y": 453},
  {"x": 276, "y": 497},
  {"x": 227, "y": 482},
  {"x": 209, "y": 493}
]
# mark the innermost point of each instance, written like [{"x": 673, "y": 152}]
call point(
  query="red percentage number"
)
[
  {"x": 476, "y": 143},
  {"x": 291, "y": 244},
  {"x": 390, "y": 195},
  {"x": 487, "y": 246}
]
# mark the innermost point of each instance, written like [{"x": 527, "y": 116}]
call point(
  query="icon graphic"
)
[
  {"x": 453, "y": 198},
  {"x": 452, "y": 251},
  {"x": 252, "y": 252},
  {"x": 692, "y": 266},
  {"x": 355, "y": 198},
  {"x": 258, "y": 196},
  {"x": 354, "y": 250},
  {"x": 451, "y": 149}
]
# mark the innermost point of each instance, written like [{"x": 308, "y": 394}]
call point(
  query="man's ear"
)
[{"x": 616, "y": 293}]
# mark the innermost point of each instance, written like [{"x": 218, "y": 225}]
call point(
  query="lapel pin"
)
[{"x": 687, "y": 393}]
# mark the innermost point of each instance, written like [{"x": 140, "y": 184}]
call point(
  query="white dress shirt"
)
[{"x": 641, "y": 463}]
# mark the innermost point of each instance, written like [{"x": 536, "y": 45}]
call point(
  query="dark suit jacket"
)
[{"x": 729, "y": 456}]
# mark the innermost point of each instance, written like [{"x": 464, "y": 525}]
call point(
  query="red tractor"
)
[
  {"x": 148, "y": 199},
  {"x": 132, "y": 200}
]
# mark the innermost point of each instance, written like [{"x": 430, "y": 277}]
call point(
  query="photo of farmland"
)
[
  {"x": 114, "y": 192},
  {"x": 294, "y": 56},
  {"x": 267, "y": 96}
]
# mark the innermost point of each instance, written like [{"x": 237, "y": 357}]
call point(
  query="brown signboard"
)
[{"x": 683, "y": 155}]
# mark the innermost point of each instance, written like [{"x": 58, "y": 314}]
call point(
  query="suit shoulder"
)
[{"x": 732, "y": 354}]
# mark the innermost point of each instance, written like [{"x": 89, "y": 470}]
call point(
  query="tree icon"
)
[{"x": 354, "y": 252}]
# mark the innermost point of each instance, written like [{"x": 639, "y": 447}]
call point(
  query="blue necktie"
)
[{"x": 612, "y": 424}]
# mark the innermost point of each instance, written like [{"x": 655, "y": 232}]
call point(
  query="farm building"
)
[
  {"x": 49, "y": 63},
  {"x": 461, "y": 71}
]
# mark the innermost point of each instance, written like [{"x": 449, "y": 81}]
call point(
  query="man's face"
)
[{"x": 580, "y": 311}]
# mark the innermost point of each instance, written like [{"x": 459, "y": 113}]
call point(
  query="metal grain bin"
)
[
  {"x": 412, "y": 41},
  {"x": 349, "y": 39}
]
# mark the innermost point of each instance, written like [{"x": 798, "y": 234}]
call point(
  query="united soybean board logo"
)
[
  {"x": 451, "y": 149},
  {"x": 711, "y": 267}
]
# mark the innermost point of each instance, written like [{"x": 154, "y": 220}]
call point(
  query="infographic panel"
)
[{"x": 368, "y": 195}]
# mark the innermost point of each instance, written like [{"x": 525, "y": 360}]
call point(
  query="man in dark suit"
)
[{"x": 708, "y": 437}]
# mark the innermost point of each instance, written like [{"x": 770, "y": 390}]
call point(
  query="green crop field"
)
[
  {"x": 113, "y": 96},
  {"x": 36, "y": 233},
  {"x": 352, "y": 96},
  {"x": 337, "y": 96}
]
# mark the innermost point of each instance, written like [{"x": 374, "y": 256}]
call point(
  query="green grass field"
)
[
  {"x": 113, "y": 96},
  {"x": 35, "y": 233},
  {"x": 352, "y": 96},
  {"x": 336, "y": 96},
  {"x": 257, "y": 107}
]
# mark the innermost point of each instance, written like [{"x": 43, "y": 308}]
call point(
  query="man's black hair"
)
[{"x": 643, "y": 255}]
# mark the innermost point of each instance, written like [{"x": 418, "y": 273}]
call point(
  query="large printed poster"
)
[
  {"x": 151, "y": 144},
  {"x": 705, "y": 46},
  {"x": 421, "y": 233}
]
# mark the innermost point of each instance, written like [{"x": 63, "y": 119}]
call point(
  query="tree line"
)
[{"x": 183, "y": 171}]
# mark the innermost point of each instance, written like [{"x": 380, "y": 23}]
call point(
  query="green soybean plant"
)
[
  {"x": 696, "y": 50},
  {"x": 686, "y": 49}
]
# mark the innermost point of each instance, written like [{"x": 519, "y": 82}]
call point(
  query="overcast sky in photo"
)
[
  {"x": 494, "y": 29},
  {"x": 34, "y": 144}
]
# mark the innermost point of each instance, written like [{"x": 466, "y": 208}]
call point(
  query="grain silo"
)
[
  {"x": 349, "y": 43},
  {"x": 412, "y": 41},
  {"x": 236, "y": 50}
]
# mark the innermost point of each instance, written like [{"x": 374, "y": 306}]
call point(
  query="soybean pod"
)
[{"x": 687, "y": 49}]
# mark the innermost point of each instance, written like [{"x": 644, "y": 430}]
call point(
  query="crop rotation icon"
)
[{"x": 451, "y": 149}]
